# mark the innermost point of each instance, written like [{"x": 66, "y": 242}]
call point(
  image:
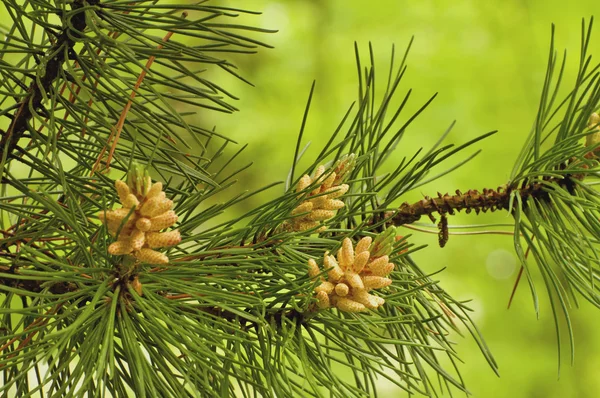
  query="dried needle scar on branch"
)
[
  {"x": 145, "y": 211},
  {"x": 322, "y": 202},
  {"x": 357, "y": 270}
]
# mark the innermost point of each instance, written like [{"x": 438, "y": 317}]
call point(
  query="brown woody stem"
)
[
  {"x": 473, "y": 200},
  {"x": 53, "y": 61},
  {"x": 32, "y": 285}
]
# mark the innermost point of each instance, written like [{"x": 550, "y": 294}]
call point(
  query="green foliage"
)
[
  {"x": 91, "y": 87},
  {"x": 559, "y": 222}
]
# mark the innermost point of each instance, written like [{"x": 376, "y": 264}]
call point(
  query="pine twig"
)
[
  {"x": 54, "y": 60},
  {"x": 32, "y": 285},
  {"x": 119, "y": 127},
  {"x": 473, "y": 200}
]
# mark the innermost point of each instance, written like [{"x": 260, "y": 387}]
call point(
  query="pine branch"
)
[
  {"x": 9, "y": 277},
  {"x": 52, "y": 62},
  {"x": 487, "y": 200},
  {"x": 471, "y": 201},
  {"x": 99, "y": 302}
]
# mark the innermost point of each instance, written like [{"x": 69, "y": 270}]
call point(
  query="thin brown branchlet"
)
[
  {"x": 137, "y": 224},
  {"x": 322, "y": 203},
  {"x": 353, "y": 273}
]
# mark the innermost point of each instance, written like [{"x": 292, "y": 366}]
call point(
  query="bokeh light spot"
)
[{"x": 500, "y": 264}]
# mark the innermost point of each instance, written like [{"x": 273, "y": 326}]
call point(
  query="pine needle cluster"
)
[{"x": 156, "y": 298}]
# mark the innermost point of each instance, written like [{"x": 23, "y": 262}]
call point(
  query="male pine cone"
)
[
  {"x": 322, "y": 202},
  {"x": 357, "y": 270},
  {"x": 145, "y": 211}
]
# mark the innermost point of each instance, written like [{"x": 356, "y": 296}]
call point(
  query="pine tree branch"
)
[
  {"x": 275, "y": 318},
  {"x": 33, "y": 286},
  {"x": 53, "y": 61},
  {"x": 224, "y": 311},
  {"x": 473, "y": 200}
]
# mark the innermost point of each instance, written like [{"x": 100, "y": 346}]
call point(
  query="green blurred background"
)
[{"x": 487, "y": 61}]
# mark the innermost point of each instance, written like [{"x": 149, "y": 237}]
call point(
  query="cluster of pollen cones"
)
[
  {"x": 356, "y": 271},
  {"x": 322, "y": 202},
  {"x": 137, "y": 224}
]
